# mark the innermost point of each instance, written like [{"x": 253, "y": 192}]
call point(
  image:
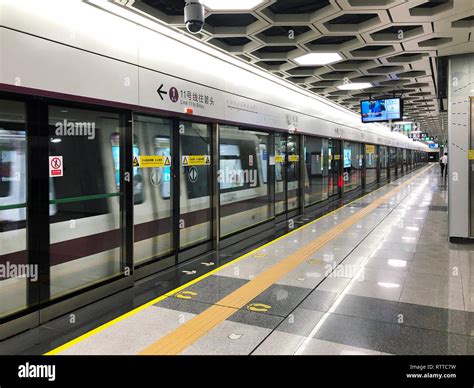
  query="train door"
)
[
  {"x": 334, "y": 156},
  {"x": 195, "y": 205}
]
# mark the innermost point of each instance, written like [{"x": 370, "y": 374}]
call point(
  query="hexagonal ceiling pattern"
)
[{"x": 393, "y": 44}]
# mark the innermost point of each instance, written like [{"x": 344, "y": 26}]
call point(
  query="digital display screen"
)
[
  {"x": 373, "y": 111},
  {"x": 347, "y": 158}
]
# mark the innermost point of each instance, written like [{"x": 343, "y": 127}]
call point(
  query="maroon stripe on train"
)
[
  {"x": 16, "y": 258},
  {"x": 84, "y": 246}
]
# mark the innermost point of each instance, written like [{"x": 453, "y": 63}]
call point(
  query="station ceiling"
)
[{"x": 395, "y": 45}]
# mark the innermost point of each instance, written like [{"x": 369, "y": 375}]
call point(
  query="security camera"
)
[{"x": 194, "y": 16}]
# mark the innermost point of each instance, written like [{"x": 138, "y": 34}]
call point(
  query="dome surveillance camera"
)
[{"x": 194, "y": 16}]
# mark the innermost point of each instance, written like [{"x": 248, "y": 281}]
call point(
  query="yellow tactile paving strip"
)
[{"x": 191, "y": 331}]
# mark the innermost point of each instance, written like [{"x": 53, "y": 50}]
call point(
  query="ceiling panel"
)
[{"x": 393, "y": 44}]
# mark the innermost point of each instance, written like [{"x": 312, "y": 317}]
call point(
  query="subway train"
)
[{"x": 246, "y": 152}]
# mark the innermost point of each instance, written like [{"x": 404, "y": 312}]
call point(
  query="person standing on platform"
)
[{"x": 444, "y": 165}]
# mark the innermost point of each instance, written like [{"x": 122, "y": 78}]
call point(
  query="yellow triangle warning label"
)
[
  {"x": 185, "y": 161},
  {"x": 208, "y": 159},
  {"x": 136, "y": 163},
  {"x": 167, "y": 161}
]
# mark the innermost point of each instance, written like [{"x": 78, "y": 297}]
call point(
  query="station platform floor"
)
[{"x": 377, "y": 276}]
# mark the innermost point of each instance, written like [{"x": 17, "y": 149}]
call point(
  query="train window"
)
[
  {"x": 83, "y": 139},
  {"x": 163, "y": 148},
  {"x": 7, "y": 159},
  {"x": 196, "y": 141},
  {"x": 232, "y": 174},
  {"x": 137, "y": 178}
]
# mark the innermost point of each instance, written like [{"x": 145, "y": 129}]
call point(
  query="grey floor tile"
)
[
  {"x": 433, "y": 318},
  {"x": 301, "y": 322},
  {"x": 369, "y": 308},
  {"x": 228, "y": 338},
  {"x": 279, "y": 343},
  {"x": 183, "y": 305},
  {"x": 391, "y": 338},
  {"x": 354, "y": 331},
  {"x": 374, "y": 289},
  {"x": 213, "y": 288},
  {"x": 320, "y": 300},
  {"x": 265, "y": 321},
  {"x": 448, "y": 299},
  {"x": 281, "y": 299},
  {"x": 316, "y": 347}
]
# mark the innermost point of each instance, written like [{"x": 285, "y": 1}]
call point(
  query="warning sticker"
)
[
  {"x": 293, "y": 158},
  {"x": 337, "y": 157},
  {"x": 195, "y": 160},
  {"x": 370, "y": 149},
  {"x": 279, "y": 159},
  {"x": 56, "y": 168},
  {"x": 154, "y": 161},
  {"x": 471, "y": 155}
]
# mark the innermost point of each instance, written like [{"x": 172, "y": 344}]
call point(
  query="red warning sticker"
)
[{"x": 56, "y": 167}]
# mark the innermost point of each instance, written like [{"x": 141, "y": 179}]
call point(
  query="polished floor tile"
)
[
  {"x": 279, "y": 344},
  {"x": 281, "y": 299},
  {"x": 229, "y": 338},
  {"x": 214, "y": 288}
]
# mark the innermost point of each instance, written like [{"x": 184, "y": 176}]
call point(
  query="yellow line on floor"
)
[
  {"x": 194, "y": 281},
  {"x": 197, "y": 327}
]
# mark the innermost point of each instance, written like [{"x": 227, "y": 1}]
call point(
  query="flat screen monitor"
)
[{"x": 375, "y": 111}]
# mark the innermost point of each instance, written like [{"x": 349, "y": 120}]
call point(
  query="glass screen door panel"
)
[
  {"x": 243, "y": 179},
  {"x": 195, "y": 183},
  {"x": 370, "y": 164},
  {"x": 280, "y": 173},
  {"x": 13, "y": 197},
  {"x": 293, "y": 172},
  {"x": 85, "y": 215},
  {"x": 316, "y": 170},
  {"x": 152, "y": 189},
  {"x": 334, "y": 156},
  {"x": 471, "y": 170}
]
